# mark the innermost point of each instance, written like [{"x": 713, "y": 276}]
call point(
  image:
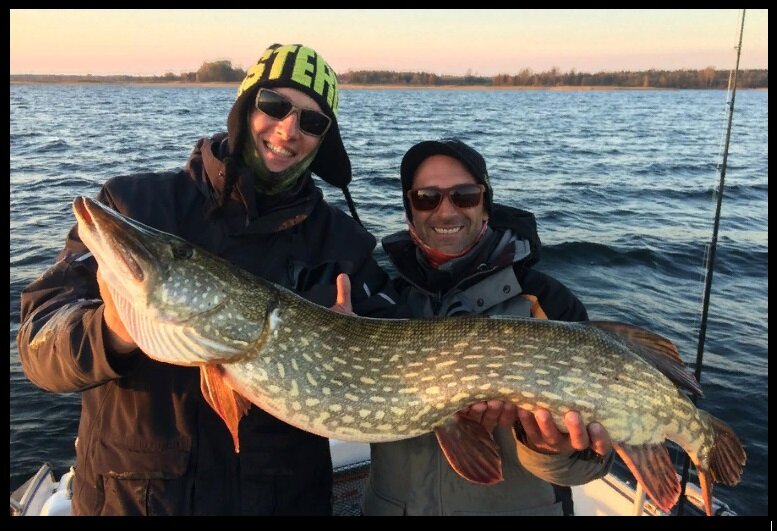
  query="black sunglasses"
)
[
  {"x": 278, "y": 107},
  {"x": 462, "y": 196}
]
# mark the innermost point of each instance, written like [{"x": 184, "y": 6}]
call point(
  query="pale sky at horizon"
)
[{"x": 483, "y": 42}]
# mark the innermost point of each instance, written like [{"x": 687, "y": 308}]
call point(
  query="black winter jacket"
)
[{"x": 148, "y": 443}]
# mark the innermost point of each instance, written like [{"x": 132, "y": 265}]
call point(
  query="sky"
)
[{"x": 445, "y": 42}]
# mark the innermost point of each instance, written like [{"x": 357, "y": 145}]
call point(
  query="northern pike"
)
[{"x": 377, "y": 380}]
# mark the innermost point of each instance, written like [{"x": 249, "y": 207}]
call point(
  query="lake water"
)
[{"x": 622, "y": 184}]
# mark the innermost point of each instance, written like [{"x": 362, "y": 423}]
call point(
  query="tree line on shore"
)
[{"x": 223, "y": 71}]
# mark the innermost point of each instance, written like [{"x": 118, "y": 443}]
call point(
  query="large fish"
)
[{"x": 376, "y": 380}]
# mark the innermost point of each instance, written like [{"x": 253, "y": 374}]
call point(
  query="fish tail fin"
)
[
  {"x": 651, "y": 466},
  {"x": 229, "y": 405},
  {"x": 726, "y": 459}
]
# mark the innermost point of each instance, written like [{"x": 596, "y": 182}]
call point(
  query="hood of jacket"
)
[{"x": 246, "y": 210}]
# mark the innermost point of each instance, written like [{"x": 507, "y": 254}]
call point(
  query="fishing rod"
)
[{"x": 711, "y": 255}]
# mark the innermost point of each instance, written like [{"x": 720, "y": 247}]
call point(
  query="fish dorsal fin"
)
[
  {"x": 656, "y": 350},
  {"x": 652, "y": 467},
  {"x": 470, "y": 450},
  {"x": 229, "y": 405}
]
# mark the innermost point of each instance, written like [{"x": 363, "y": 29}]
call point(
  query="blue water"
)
[{"x": 622, "y": 184}]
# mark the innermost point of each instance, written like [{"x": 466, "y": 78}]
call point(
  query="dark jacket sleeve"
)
[
  {"x": 558, "y": 301},
  {"x": 373, "y": 294},
  {"x": 60, "y": 338}
]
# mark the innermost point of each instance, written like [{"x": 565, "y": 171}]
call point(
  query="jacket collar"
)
[{"x": 247, "y": 211}]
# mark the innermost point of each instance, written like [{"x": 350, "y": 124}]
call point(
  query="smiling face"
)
[
  {"x": 280, "y": 143},
  {"x": 447, "y": 228}
]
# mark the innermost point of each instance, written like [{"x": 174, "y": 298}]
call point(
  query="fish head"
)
[{"x": 166, "y": 275}]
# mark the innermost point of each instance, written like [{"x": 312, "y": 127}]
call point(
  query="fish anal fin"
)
[
  {"x": 470, "y": 450},
  {"x": 660, "y": 352},
  {"x": 229, "y": 405},
  {"x": 652, "y": 467}
]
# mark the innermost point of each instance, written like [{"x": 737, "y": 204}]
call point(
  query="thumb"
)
[
  {"x": 344, "y": 291},
  {"x": 343, "y": 302}
]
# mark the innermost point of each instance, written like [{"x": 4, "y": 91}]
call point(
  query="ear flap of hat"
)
[
  {"x": 332, "y": 163},
  {"x": 236, "y": 120}
]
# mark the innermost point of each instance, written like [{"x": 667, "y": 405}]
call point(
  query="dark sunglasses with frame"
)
[
  {"x": 461, "y": 196},
  {"x": 277, "y": 106}
]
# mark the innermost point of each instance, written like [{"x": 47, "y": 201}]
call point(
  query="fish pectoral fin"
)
[
  {"x": 651, "y": 466},
  {"x": 470, "y": 450},
  {"x": 229, "y": 405}
]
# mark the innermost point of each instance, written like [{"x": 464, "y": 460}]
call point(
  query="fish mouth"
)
[{"x": 113, "y": 239}]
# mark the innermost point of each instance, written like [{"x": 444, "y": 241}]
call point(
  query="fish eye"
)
[{"x": 182, "y": 252}]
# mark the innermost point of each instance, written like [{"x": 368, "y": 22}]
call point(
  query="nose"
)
[
  {"x": 289, "y": 126},
  {"x": 446, "y": 207}
]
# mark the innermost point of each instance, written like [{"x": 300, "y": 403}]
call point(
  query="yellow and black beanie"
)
[{"x": 299, "y": 67}]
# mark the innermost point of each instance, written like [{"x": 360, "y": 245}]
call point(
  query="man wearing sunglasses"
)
[
  {"x": 463, "y": 254},
  {"x": 148, "y": 442}
]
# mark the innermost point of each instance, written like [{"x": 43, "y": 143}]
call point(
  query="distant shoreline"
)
[
  {"x": 346, "y": 86},
  {"x": 491, "y": 87}
]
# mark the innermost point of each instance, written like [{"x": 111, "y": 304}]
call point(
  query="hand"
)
[
  {"x": 491, "y": 414},
  {"x": 343, "y": 302},
  {"x": 119, "y": 340},
  {"x": 543, "y": 436}
]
